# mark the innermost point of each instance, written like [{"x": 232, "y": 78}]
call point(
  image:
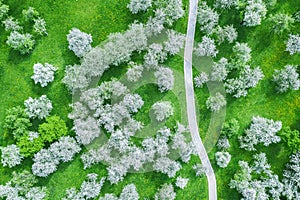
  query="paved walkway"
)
[{"x": 190, "y": 100}]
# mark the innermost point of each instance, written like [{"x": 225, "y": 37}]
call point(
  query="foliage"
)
[
  {"x": 222, "y": 158},
  {"x": 255, "y": 12},
  {"x": 23, "y": 181},
  {"x": 30, "y": 14},
  {"x": 223, "y": 143},
  {"x": 293, "y": 44},
  {"x": 3, "y": 10},
  {"x": 86, "y": 130},
  {"x": 254, "y": 184},
  {"x": 242, "y": 52},
  {"x": 199, "y": 169},
  {"x": 12, "y": 25},
  {"x": 43, "y": 74},
  {"x": 228, "y": 33},
  {"x": 20, "y": 42},
  {"x": 162, "y": 110},
  {"x": 136, "y": 6},
  {"x": 166, "y": 192},
  {"x": 281, "y": 23},
  {"x": 226, "y": 4},
  {"x": 29, "y": 145},
  {"x": 175, "y": 42},
  {"x": 52, "y": 129},
  {"x": 167, "y": 166},
  {"x": 216, "y": 102},
  {"x": 262, "y": 130},
  {"x": 129, "y": 192},
  {"x": 230, "y": 128},
  {"x": 291, "y": 138},
  {"x": 207, "y": 18},
  {"x": 38, "y": 107},
  {"x": 11, "y": 156},
  {"x": 206, "y": 48},
  {"x": 40, "y": 26},
  {"x": 90, "y": 189},
  {"x": 79, "y": 42},
  {"x": 47, "y": 160},
  {"x": 286, "y": 79},
  {"x": 134, "y": 73},
  {"x": 16, "y": 121},
  {"x": 181, "y": 182},
  {"x": 201, "y": 79},
  {"x": 291, "y": 177},
  {"x": 219, "y": 70},
  {"x": 165, "y": 79}
]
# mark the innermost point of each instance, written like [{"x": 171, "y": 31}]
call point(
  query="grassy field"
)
[
  {"x": 98, "y": 18},
  {"x": 268, "y": 52}
]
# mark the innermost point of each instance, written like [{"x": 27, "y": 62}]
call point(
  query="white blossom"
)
[
  {"x": 79, "y": 42},
  {"x": 43, "y": 74}
]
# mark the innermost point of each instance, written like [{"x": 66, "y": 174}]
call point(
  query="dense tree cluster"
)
[
  {"x": 79, "y": 42},
  {"x": 3, "y": 10},
  {"x": 257, "y": 181},
  {"x": 89, "y": 189},
  {"x": 165, "y": 79},
  {"x": 38, "y": 107},
  {"x": 286, "y": 79},
  {"x": 261, "y": 130},
  {"x": 47, "y": 160},
  {"x": 21, "y": 187},
  {"x": 43, "y": 74},
  {"x": 216, "y": 102}
]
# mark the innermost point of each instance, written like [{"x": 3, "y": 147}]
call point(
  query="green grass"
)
[{"x": 268, "y": 52}]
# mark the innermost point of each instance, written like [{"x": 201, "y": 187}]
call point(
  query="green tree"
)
[
  {"x": 230, "y": 128},
  {"x": 17, "y": 122},
  {"x": 23, "y": 181},
  {"x": 28, "y": 146},
  {"x": 52, "y": 129},
  {"x": 291, "y": 138}
]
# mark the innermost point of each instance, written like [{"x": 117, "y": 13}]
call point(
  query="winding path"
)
[{"x": 190, "y": 100}]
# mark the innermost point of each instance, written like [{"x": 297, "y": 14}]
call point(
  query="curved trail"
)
[{"x": 190, "y": 100}]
